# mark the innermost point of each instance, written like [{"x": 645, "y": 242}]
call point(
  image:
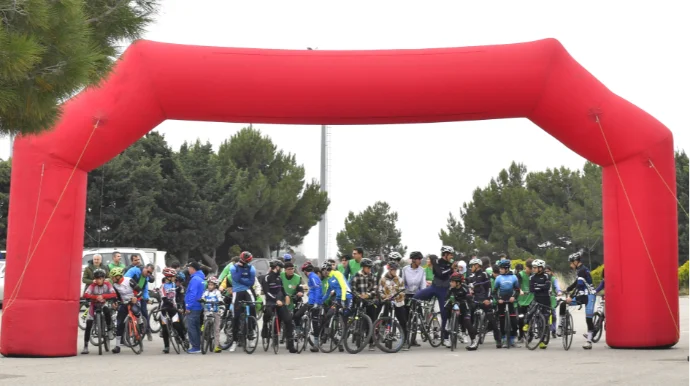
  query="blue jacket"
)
[
  {"x": 195, "y": 290},
  {"x": 315, "y": 291},
  {"x": 135, "y": 273},
  {"x": 242, "y": 277},
  {"x": 506, "y": 286},
  {"x": 337, "y": 283}
]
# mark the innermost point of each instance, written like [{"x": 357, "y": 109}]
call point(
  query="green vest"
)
[
  {"x": 553, "y": 292},
  {"x": 341, "y": 268},
  {"x": 354, "y": 267},
  {"x": 324, "y": 289},
  {"x": 526, "y": 299},
  {"x": 113, "y": 265},
  {"x": 290, "y": 286}
]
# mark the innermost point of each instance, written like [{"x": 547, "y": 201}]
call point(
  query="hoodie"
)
[{"x": 195, "y": 289}]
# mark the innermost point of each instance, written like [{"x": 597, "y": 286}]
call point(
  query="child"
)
[
  {"x": 169, "y": 293},
  {"x": 506, "y": 290},
  {"x": 459, "y": 293},
  {"x": 98, "y": 292},
  {"x": 391, "y": 284},
  {"x": 211, "y": 299}
]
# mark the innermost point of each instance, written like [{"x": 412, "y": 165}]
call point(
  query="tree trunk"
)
[
  {"x": 210, "y": 261},
  {"x": 183, "y": 257}
]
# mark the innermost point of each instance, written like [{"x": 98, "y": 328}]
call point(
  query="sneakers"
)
[
  {"x": 559, "y": 330},
  {"x": 446, "y": 342},
  {"x": 315, "y": 346},
  {"x": 85, "y": 350},
  {"x": 193, "y": 351},
  {"x": 166, "y": 350},
  {"x": 116, "y": 350},
  {"x": 415, "y": 344},
  {"x": 473, "y": 345},
  {"x": 513, "y": 343},
  {"x": 587, "y": 346},
  {"x": 233, "y": 347},
  {"x": 553, "y": 334},
  {"x": 371, "y": 347},
  {"x": 542, "y": 345}
]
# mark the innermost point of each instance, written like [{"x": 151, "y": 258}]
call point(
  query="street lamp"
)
[{"x": 322, "y": 224}]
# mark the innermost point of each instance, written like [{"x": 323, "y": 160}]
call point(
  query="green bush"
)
[
  {"x": 597, "y": 275},
  {"x": 515, "y": 262},
  {"x": 683, "y": 276}
]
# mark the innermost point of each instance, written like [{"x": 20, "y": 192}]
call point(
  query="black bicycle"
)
[
  {"x": 599, "y": 321},
  {"x": 248, "y": 330},
  {"x": 480, "y": 321},
  {"x": 568, "y": 326},
  {"x": 332, "y": 328},
  {"x": 430, "y": 331},
  {"x": 537, "y": 325},
  {"x": 208, "y": 340},
  {"x": 99, "y": 330},
  {"x": 358, "y": 326},
  {"x": 388, "y": 333}
]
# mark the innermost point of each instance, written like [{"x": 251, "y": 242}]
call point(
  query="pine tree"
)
[{"x": 49, "y": 50}]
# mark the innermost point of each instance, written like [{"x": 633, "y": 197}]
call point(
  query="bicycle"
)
[
  {"x": 358, "y": 326},
  {"x": 83, "y": 313},
  {"x": 454, "y": 326},
  {"x": 134, "y": 330},
  {"x": 155, "y": 313},
  {"x": 209, "y": 335},
  {"x": 599, "y": 320},
  {"x": 387, "y": 327},
  {"x": 537, "y": 325},
  {"x": 332, "y": 328},
  {"x": 99, "y": 331},
  {"x": 430, "y": 331},
  {"x": 567, "y": 332},
  {"x": 226, "y": 326},
  {"x": 176, "y": 341},
  {"x": 248, "y": 330},
  {"x": 506, "y": 320},
  {"x": 275, "y": 324},
  {"x": 480, "y": 321}
]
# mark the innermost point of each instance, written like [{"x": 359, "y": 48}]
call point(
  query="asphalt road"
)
[{"x": 487, "y": 366}]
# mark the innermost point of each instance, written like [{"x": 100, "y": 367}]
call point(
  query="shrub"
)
[
  {"x": 683, "y": 276},
  {"x": 515, "y": 262},
  {"x": 597, "y": 275}
]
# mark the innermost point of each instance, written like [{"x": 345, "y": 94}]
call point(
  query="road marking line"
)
[{"x": 313, "y": 376}]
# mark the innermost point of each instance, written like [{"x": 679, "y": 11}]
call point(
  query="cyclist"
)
[
  {"x": 414, "y": 279},
  {"x": 169, "y": 295},
  {"x": 394, "y": 257},
  {"x": 439, "y": 286},
  {"x": 343, "y": 262},
  {"x": 555, "y": 291},
  {"x": 506, "y": 290},
  {"x": 287, "y": 258},
  {"x": 353, "y": 265},
  {"x": 364, "y": 284},
  {"x": 525, "y": 298},
  {"x": 210, "y": 299},
  {"x": 98, "y": 292},
  {"x": 480, "y": 283},
  {"x": 459, "y": 293},
  {"x": 277, "y": 299},
  {"x": 540, "y": 287},
  {"x": 127, "y": 291},
  {"x": 584, "y": 295},
  {"x": 337, "y": 286},
  {"x": 314, "y": 299},
  {"x": 292, "y": 284},
  {"x": 391, "y": 284},
  {"x": 243, "y": 275}
]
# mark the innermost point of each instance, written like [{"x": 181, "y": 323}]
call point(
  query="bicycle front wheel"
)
[
  {"x": 357, "y": 333},
  {"x": 173, "y": 337},
  {"x": 251, "y": 336},
  {"x": 453, "y": 331},
  {"x": 535, "y": 333},
  {"x": 598, "y": 321},
  {"x": 331, "y": 333},
  {"x": 205, "y": 344},
  {"x": 388, "y": 335},
  {"x": 133, "y": 335},
  {"x": 433, "y": 330},
  {"x": 568, "y": 332},
  {"x": 155, "y": 319},
  {"x": 99, "y": 339}
]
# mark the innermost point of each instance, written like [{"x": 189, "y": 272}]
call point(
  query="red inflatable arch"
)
[{"x": 156, "y": 81}]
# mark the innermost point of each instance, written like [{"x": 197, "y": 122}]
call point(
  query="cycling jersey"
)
[
  {"x": 506, "y": 286},
  {"x": 337, "y": 283},
  {"x": 414, "y": 279},
  {"x": 126, "y": 289},
  {"x": 480, "y": 283},
  {"x": 442, "y": 271},
  {"x": 225, "y": 273},
  {"x": 583, "y": 282},
  {"x": 213, "y": 299},
  {"x": 243, "y": 277},
  {"x": 169, "y": 293},
  {"x": 315, "y": 291},
  {"x": 94, "y": 291},
  {"x": 540, "y": 286},
  {"x": 459, "y": 293}
]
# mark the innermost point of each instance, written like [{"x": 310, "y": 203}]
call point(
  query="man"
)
[
  {"x": 353, "y": 266},
  {"x": 278, "y": 300},
  {"x": 364, "y": 285},
  {"x": 343, "y": 262},
  {"x": 193, "y": 308},
  {"x": 94, "y": 264},
  {"x": 439, "y": 286},
  {"x": 540, "y": 288},
  {"x": 315, "y": 298},
  {"x": 480, "y": 283},
  {"x": 243, "y": 276},
  {"x": 584, "y": 295},
  {"x": 143, "y": 277},
  {"x": 414, "y": 279},
  {"x": 292, "y": 285},
  {"x": 117, "y": 261},
  {"x": 525, "y": 298}
]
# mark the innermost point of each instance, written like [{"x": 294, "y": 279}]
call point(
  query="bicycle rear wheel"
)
[
  {"x": 357, "y": 334},
  {"x": 204, "y": 339},
  {"x": 83, "y": 315},
  {"x": 275, "y": 333},
  {"x": 173, "y": 337},
  {"x": 507, "y": 325},
  {"x": 598, "y": 321},
  {"x": 388, "y": 335},
  {"x": 535, "y": 333},
  {"x": 567, "y": 330},
  {"x": 433, "y": 330},
  {"x": 226, "y": 336},
  {"x": 133, "y": 335},
  {"x": 251, "y": 336},
  {"x": 453, "y": 331}
]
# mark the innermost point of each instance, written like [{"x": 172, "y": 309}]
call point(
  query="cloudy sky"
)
[{"x": 638, "y": 51}]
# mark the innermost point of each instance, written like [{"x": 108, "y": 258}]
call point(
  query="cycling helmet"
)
[
  {"x": 393, "y": 265},
  {"x": 395, "y": 256},
  {"x": 213, "y": 280},
  {"x": 505, "y": 264},
  {"x": 99, "y": 274},
  {"x": 366, "y": 263},
  {"x": 326, "y": 266},
  {"x": 307, "y": 266},
  {"x": 575, "y": 256},
  {"x": 169, "y": 272},
  {"x": 287, "y": 257},
  {"x": 117, "y": 271},
  {"x": 276, "y": 263},
  {"x": 447, "y": 249},
  {"x": 416, "y": 255},
  {"x": 457, "y": 276},
  {"x": 538, "y": 263},
  {"x": 246, "y": 257},
  {"x": 475, "y": 261},
  {"x": 180, "y": 276}
]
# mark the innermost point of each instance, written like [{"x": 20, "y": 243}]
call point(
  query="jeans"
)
[
  {"x": 143, "y": 303},
  {"x": 194, "y": 329}
]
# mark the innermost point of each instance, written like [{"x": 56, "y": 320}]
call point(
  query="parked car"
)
[{"x": 2, "y": 279}]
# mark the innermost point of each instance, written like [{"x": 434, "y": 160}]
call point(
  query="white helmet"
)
[
  {"x": 395, "y": 256},
  {"x": 447, "y": 249},
  {"x": 538, "y": 263},
  {"x": 475, "y": 261}
]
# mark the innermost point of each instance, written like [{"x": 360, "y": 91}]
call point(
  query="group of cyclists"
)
[{"x": 507, "y": 296}]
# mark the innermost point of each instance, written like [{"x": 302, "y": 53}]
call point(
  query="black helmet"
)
[
  {"x": 366, "y": 263},
  {"x": 416, "y": 255},
  {"x": 393, "y": 265},
  {"x": 99, "y": 274},
  {"x": 276, "y": 263},
  {"x": 326, "y": 266},
  {"x": 575, "y": 256}
]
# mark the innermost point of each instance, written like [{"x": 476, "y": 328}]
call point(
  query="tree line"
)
[
  {"x": 196, "y": 202},
  {"x": 547, "y": 214}
]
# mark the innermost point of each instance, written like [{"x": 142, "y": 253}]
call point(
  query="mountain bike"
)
[
  {"x": 332, "y": 328},
  {"x": 99, "y": 331},
  {"x": 430, "y": 331},
  {"x": 358, "y": 326},
  {"x": 480, "y": 321},
  {"x": 209, "y": 336},
  {"x": 248, "y": 330},
  {"x": 537, "y": 325},
  {"x": 135, "y": 328}
]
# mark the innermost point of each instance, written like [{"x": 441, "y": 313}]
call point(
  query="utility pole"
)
[{"x": 11, "y": 144}]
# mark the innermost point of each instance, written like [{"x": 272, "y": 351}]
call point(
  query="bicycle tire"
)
[
  {"x": 481, "y": 327},
  {"x": 411, "y": 328},
  {"x": 507, "y": 325},
  {"x": 306, "y": 332},
  {"x": 155, "y": 315},
  {"x": 598, "y": 321},
  {"x": 433, "y": 330},
  {"x": 93, "y": 338},
  {"x": 250, "y": 344},
  {"x": 96, "y": 326},
  {"x": 136, "y": 344},
  {"x": 104, "y": 333},
  {"x": 276, "y": 331},
  {"x": 82, "y": 318},
  {"x": 381, "y": 338},
  {"x": 204, "y": 338},
  {"x": 361, "y": 324},
  {"x": 453, "y": 332},
  {"x": 173, "y": 337},
  {"x": 537, "y": 328},
  {"x": 333, "y": 324},
  {"x": 227, "y": 332},
  {"x": 568, "y": 332}
]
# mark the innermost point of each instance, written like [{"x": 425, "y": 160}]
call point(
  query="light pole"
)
[{"x": 323, "y": 242}]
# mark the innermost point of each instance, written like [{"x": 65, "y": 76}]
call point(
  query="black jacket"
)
[
  {"x": 273, "y": 288},
  {"x": 481, "y": 285}
]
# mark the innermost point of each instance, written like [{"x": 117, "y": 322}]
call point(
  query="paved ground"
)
[{"x": 487, "y": 366}]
